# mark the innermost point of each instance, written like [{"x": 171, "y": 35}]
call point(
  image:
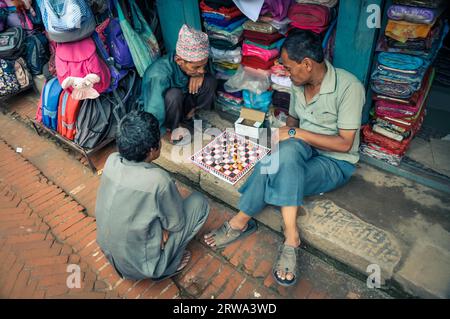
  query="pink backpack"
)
[{"x": 79, "y": 59}]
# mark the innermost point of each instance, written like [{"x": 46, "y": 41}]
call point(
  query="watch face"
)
[{"x": 291, "y": 132}]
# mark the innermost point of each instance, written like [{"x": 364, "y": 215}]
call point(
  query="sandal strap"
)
[{"x": 287, "y": 259}]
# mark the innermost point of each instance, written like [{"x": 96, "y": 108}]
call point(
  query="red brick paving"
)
[{"x": 44, "y": 227}]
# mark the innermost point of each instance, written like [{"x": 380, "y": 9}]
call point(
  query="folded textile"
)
[
  {"x": 310, "y": 17},
  {"x": 232, "y": 56},
  {"x": 223, "y": 44},
  {"x": 402, "y": 31},
  {"x": 259, "y": 26},
  {"x": 282, "y": 26},
  {"x": 412, "y": 14},
  {"x": 219, "y": 4},
  {"x": 281, "y": 99},
  {"x": 276, "y": 45},
  {"x": 326, "y": 3},
  {"x": 215, "y": 14},
  {"x": 229, "y": 98},
  {"x": 421, "y": 3},
  {"x": 279, "y": 70},
  {"x": 281, "y": 80},
  {"x": 262, "y": 38},
  {"x": 252, "y": 50},
  {"x": 257, "y": 63},
  {"x": 380, "y": 153},
  {"x": 277, "y": 9},
  {"x": 281, "y": 88},
  {"x": 231, "y": 27},
  {"x": 221, "y": 22}
]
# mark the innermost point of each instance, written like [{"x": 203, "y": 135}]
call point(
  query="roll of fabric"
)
[
  {"x": 403, "y": 31},
  {"x": 326, "y": 3},
  {"x": 277, "y": 9},
  {"x": 262, "y": 27},
  {"x": 310, "y": 17},
  {"x": 262, "y": 38},
  {"x": 412, "y": 14}
]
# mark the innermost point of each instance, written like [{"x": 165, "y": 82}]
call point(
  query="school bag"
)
[
  {"x": 118, "y": 47},
  {"x": 67, "y": 20},
  {"x": 36, "y": 52},
  {"x": 12, "y": 43},
  {"x": 8, "y": 81},
  {"x": 67, "y": 114},
  {"x": 97, "y": 119},
  {"x": 50, "y": 101},
  {"x": 116, "y": 73},
  {"x": 78, "y": 59}
]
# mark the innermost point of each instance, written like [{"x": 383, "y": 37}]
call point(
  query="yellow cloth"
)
[{"x": 402, "y": 30}]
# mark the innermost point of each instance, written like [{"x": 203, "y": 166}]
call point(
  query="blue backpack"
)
[{"x": 50, "y": 101}]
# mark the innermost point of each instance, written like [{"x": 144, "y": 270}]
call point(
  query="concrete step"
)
[{"x": 377, "y": 219}]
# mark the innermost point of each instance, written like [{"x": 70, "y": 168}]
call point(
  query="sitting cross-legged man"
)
[
  {"x": 143, "y": 223},
  {"x": 317, "y": 152}
]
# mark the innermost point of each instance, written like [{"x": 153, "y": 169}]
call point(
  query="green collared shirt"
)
[{"x": 338, "y": 105}]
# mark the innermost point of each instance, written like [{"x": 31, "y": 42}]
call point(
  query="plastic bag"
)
[{"x": 256, "y": 81}]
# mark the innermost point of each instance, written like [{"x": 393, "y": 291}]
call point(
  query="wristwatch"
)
[{"x": 292, "y": 132}]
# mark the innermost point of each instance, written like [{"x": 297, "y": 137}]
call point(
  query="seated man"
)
[
  {"x": 143, "y": 223},
  {"x": 175, "y": 86},
  {"x": 317, "y": 153}
]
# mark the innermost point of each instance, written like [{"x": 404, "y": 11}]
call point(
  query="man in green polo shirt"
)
[{"x": 317, "y": 153}]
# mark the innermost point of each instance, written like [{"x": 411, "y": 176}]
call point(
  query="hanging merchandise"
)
[
  {"x": 118, "y": 47},
  {"x": 80, "y": 62},
  {"x": 141, "y": 41},
  {"x": 50, "y": 101},
  {"x": 67, "y": 114},
  {"x": 98, "y": 118},
  {"x": 36, "y": 52},
  {"x": 3, "y": 19},
  {"x": 67, "y": 20},
  {"x": 8, "y": 81},
  {"x": 12, "y": 43}
]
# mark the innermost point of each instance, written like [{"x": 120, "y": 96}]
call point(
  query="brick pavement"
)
[{"x": 45, "y": 227}]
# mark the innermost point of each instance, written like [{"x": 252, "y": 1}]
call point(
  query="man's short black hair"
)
[
  {"x": 137, "y": 134},
  {"x": 302, "y": 44}
]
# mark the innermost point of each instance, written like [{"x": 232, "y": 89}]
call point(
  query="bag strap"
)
[
  {"x": 47, "y": 91},
  {"x": 64, "y": 103},
  {"x": 119, "y": 11}
]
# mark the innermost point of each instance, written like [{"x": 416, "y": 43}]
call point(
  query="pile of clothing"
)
[
  {"x": 223, "y": 23},
  {"x": 402, "y": 79},
  {"x": 314, "y": 15}
]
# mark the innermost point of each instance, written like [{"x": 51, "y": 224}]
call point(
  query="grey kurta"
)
[{"x": 135, "y": 201}]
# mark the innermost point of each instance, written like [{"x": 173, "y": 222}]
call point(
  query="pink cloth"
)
[{"x": 253, "y": 50}]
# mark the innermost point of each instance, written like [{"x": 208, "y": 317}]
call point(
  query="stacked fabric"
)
[
  {"x": 262, "y": 44},
  {"x": 281, "y": 85},
  {"x": 402, "y": 79},
  {"x": 314, "y": 15},
  {"x": 223, "y": 24}
]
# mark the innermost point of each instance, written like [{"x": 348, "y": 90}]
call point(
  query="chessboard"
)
[{"x": 229, "y": 156}]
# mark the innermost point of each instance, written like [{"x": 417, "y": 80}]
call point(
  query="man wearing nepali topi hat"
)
[{"x": 176, "y": 85}]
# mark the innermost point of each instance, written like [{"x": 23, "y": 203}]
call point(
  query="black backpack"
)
[
  {"x": 97, "y": 119},
  {"x": 36, "y": 52},
  {"x": 12, "y": 43}
]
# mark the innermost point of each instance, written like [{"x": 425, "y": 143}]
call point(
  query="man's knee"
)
[
  {"x": 294, "y": 152},
  {"x": 173, "y": 96},
  {"x": 197, "y": 203}
]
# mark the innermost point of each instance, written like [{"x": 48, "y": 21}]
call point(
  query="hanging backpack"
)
[
  {"x": 67, "y": 20},
  {"x": 97, "y": 119},
  {"x": 8, "y": 81},
  {"x": 36, "y": 52},
  {"x": 23, "y": 75},
  {"x": 67, "y": 114},
  {"x": 78, "y": 59},
  {"x": 116, "y": 74},
  {"x": 3, "y": 19},
  {"x": 12, "y": 43},
  {"x": 117, "y": 45},
  {"x": 143, "y": 45},
  {"x": 50, "y": 101}
]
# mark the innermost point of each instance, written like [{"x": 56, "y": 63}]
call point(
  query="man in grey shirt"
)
[{"x": 143, "y": 223}]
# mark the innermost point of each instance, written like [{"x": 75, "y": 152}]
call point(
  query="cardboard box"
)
[{"x": 250, "y": 123}]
